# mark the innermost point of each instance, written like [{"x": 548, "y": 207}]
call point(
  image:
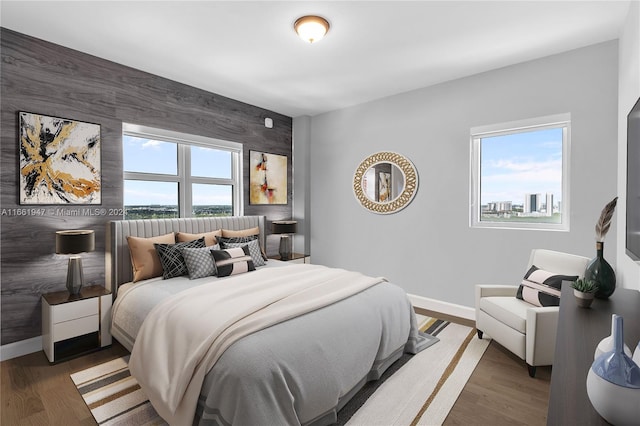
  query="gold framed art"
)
[
  {"x": 60, "y": 161},
  {"x": 385, "y": 182}
]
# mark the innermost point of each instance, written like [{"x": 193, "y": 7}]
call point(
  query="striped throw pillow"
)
[
  {"x": 233, "y": 261},
  {"x": 542, "y": 288}
]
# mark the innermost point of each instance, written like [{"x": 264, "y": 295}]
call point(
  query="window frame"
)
[
  {"x": 184, "y": 142},
  {"x": 562, "y": 121}
]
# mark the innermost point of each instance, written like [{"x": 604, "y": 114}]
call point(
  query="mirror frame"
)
[{"x": 410, "y": 182}]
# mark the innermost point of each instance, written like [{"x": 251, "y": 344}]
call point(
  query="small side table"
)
[
  {"x": 294, "y": 258},
  {"x": 75, "y": 325}
]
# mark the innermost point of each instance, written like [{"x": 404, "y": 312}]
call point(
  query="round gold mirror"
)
[{"x": 385, "y": 182}]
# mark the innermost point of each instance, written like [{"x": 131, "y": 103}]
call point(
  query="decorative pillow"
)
[
  {"x": 249, "y": 232},
  {"x": 144, "y": 258},
  {"x": 244, "y": 239},
  {"x": 171, "y": 258},
  {"x": 200, "y": 261},
  {"x": 227, "y": 233},
  {"x": 542, "y": 288},
  {"x": 233, "y": 261},
  {"x": 210, "y": 238},
  {"x": 254, "y": 250}
]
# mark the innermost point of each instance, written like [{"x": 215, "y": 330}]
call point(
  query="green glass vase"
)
[{"x": 600, "y": 271}]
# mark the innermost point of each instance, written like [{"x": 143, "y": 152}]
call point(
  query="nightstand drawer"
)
[
  {"x": 77, "y": 327},
  {"x": 70, "y": 311}
]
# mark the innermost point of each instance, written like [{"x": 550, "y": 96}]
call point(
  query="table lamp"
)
[
  {"x": 286, "y": 228},
  {"x": 75, "y": 241}
]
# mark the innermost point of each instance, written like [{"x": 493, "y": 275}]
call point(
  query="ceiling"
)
[{"x": 247, "y": 50}]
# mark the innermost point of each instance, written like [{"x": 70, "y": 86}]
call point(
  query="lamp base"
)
[
  {"x": 285, "y": 247},
  {"x": 75, "y": 278}
]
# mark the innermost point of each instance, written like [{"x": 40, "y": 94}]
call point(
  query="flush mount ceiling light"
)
[{"x": 311, "y": 28}]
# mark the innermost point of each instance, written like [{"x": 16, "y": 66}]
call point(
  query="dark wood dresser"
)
[{"x": 579, "y": 332}]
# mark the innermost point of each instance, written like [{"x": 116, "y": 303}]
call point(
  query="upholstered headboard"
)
[{"x": 118, "y": 269}]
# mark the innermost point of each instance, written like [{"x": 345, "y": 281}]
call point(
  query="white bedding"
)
[
  {"x": 127, "y": 320},
  {"x": 300, "y": 371},
  {"x": 199, "y": 324}
]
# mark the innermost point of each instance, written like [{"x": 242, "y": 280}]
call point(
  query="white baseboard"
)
[
  {"x": 23, "y": 347},
  {"x": 452, "y": 309}
]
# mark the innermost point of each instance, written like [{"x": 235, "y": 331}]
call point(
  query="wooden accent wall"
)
[{"x": 44, "y": 78}]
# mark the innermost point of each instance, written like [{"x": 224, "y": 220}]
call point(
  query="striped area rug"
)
[
  {"x": 425, "y": 389},
  {"x": 420, "y": 392},
  {"x": 113, "y": 396}
]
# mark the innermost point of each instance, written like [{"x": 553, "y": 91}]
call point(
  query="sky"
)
[
  {"x": 152, "y": 156},
  {"x": 516, "y": 164}
]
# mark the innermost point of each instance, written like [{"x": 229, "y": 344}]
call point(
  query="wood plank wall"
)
[{"x": 44, "y": 78}]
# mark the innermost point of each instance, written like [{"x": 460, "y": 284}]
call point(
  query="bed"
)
[{"x": 294, "y": 355}]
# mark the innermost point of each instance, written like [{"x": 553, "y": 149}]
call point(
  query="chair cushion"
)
[{"x": 508, "y": 310}]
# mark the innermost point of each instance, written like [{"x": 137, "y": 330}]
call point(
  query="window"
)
[
  {"x": 169, "y": 174},
  {"x": 519, "y": 174}
]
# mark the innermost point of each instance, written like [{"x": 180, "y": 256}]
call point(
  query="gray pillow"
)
[
  {"x": 254, "y": 250},
  {"x": 245, "y": 240},
  {"x": 200, "y": 261}
]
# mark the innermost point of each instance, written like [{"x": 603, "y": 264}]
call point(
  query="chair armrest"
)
[
  {"x": 542, "y": 328},
  {"x": 489, "y": 290}
]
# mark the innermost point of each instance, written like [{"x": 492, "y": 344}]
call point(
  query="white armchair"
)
[{"x": 526, "y": 330}]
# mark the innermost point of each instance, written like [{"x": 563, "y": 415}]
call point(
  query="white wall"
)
[
  {"x": 301, "y": 182},
  {"x": 627, "y": 270},
  {"x": 428, "y": 248}
]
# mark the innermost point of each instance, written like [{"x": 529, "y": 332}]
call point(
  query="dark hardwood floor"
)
[
  {"x": 499, "y": 392},
  {"x": 33, "y": 392}
]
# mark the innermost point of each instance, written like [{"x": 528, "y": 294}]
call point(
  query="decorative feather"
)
[{"x": 604, "y": 223}]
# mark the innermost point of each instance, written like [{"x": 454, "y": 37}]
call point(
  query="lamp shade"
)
[
  {"x": 284, "y": 226},
  {"x": 75, "y": 241}
]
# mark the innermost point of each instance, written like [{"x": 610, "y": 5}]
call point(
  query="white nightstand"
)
[
  {"x": 75, "y": 325},
  {"x": 295, "y": 258}
]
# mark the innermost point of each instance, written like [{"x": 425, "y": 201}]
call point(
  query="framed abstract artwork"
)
[
  {"x": 59, "y": 160},
  {"x": 267, "y": 178}
]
